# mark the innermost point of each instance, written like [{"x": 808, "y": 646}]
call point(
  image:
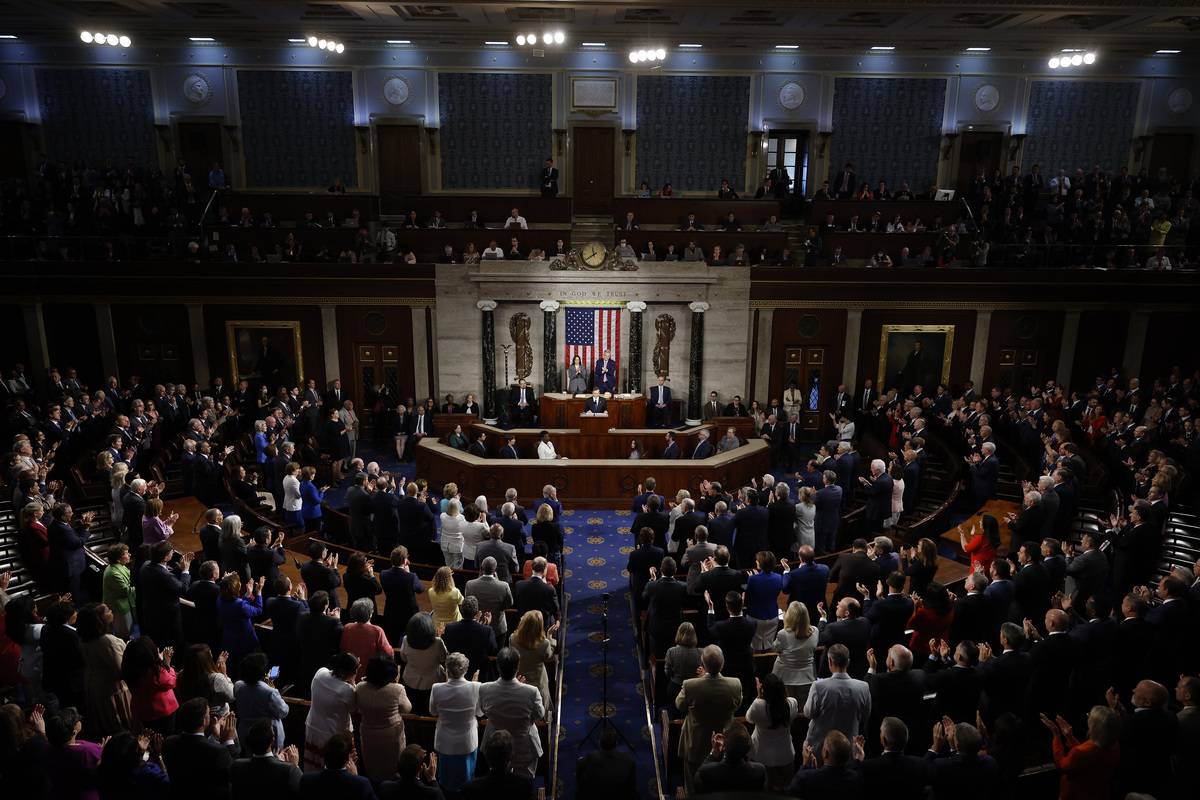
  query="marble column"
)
[
  {"x": 107, "y": 338},
  {"x": 695, "y": 376},
  {"x": 983, "y": 326},
  {"x": 329, "y": 344},
  {"x": 488, "y": 354},
  {"x": 195, "y": 314},
  {"x": 1135, "y": 342},
  {"x": 550, "y": 375},
  {"x": 1066, "y": 350},
  {"x": 634, "y": 372},
  {"x": 850, "y": 375}
]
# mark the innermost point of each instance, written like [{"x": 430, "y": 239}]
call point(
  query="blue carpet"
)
[{"x": 596, "y": 550}]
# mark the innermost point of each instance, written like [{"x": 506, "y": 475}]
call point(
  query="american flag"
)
[{"x": 591, "y": 331}]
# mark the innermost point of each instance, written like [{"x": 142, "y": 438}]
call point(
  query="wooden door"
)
[
  {"x": 805, "y": 368},
  {"x": 399, "y": 149},
  {"x": 12, "y": 150},
  {"x": 592, "y": 170},
  {"x": 199, "y": 147},
  {"x": 979, "y": 151},
  {"x": 1172, "y": 151},
  {"x": 376, "y": 365}
]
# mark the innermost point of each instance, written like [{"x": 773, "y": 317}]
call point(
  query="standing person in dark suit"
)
[
  {"x": 133, "y": 510},
  {"x": 735, "y": 636},
  {"x": 892, "y": 773},
  {"x": 878, "y": 489},
  {"x": 161, "y": 584},
  {"x": 473, "y": 637},
  {"x": 1147, "y": 739},
  {"x": 806, "y": 583},
  {"x": 852, "y": 569},
  {"x": 829, "y": 512},
  {"x": 320, "y": 634},
  {"x": 888, "y": 614},
  {"x": 415, "y": 518},
  {"x": 1005, "y": 676},
  {"x": 1054, "y": 658},
  {"x": 864, "y": 398},
  {"x": 320, "y": 574},
  {"x": 845, "y": 182},
  {"x": 1136, "y": 547},
  {"x": 68, "y": 560},
  {"x": 358, "y": 504},
  {"x": 643, "y": 558},
  {"x": 265, "y": 773},
  {"x": 896, "y": 692},
  {"x": 1087, "y": 573},
  {"x": 606, "y": 773},
  {"x": 651, "y": 517},
  {"x": 664, "y": 596},
  {"x": 956, "y": 680},
  {"x": 400, "y": 589},
  {"x": 521, "y": 404},
  {"x": 974, "y": 617},
  {"x": 501, "y": 781},
  {"x": 381, "y": 515},
  {"x": 210, "y": 535},
  {"x": 549, "y": 179},
  {"x": 781, "y": 522},
  {"x": 604, "y": 374},
  {"x": 985, "y": 470},
  {"x": 200, "y": 756},
  {"x": 965, "y": 771},
  {"x": 750, "y": 523},
  {"x": 535, "y": 594},
  {"x": 596, "y": 404},
  {"x": 284, "y": 609},
  {"x": 339, "y": 778},
  {"x": 849, "y": 629}
]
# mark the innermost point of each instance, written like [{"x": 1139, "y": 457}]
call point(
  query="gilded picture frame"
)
[
  {"x": 900, "y": 368},
  {"x": 281, "y": 355}
]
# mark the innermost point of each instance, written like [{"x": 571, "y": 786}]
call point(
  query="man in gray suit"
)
[
  {"x": 837, "y": 703},
  {"x": 695, "y": 556},
  {"x": 493, "y": 594},
  {"x": 504, "y": 553},
  {"x": 512, "y": 706},
  {"x": 710, "y": 702}
]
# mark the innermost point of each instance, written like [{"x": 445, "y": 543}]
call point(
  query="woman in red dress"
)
[
  {"x": 983, "y": 545},
  {"x": 35, "y": 543},
  {"x": 930, "y": 620}
]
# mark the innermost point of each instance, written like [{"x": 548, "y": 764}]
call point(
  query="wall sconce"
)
[
  {"x": 628, "y": 134},
  {"x": 756, "y": 143},
  {"x": 560, "y": 135},
  {"x": 431, "y": 137},
  {"x": 1014, "y": 145},
  {"x": 1139, "y": 149},
  {"x": 823, "y": 136},
  {"x": 948, "y": 140}
]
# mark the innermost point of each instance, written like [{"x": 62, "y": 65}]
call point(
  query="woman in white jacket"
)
[
  {"x": 452, "y": 534},
  {"x": 455, "y": 703},
  {"x": 291, "y": 496}
]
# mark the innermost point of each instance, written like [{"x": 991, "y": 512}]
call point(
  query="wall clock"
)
[{"x": 1179, "y": 100}]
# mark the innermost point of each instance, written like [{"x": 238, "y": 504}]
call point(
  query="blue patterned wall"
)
[
  {"x": 889, "y": 128},
  {"x": 297, "y": 127},
  {"x": 1079, "y": 123},
  {"x": 97, "y": 115},
  {"x": 495, "y": 129},
  {"x": 691, "y": 130}
]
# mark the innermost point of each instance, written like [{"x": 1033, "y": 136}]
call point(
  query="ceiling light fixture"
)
[
  {"x": 1156, "y": 52},
  {"x": 883, "y": 47},
  {"x": 1071, "y": 58},
  {"x": 546, "y": 39},
  {"x": 979, "y": 49},
  {"x": 691, "y": 46},
  {"x": 650, "y": 54},
  {"x": 296, "y": 41},
  {"x": 110, "y": 39},
  {"x": 592, "y": 44},
  {"x": 201, "y": 39},
  {"x": 7, "y": 36},
  {"x": 331, "y": 45},
  {"x": 787, "y": 47},
  {"x": 497, "y": 44}
]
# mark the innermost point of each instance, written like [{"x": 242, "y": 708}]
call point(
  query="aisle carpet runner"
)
[{"x": 597, "y": 547}]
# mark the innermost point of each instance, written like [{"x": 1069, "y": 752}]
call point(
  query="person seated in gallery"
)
[
  {"x": 510, "y": 447},
  {"x": 595, "y": 404},
  {"x": 521, "y": 404},
  {"x": 630, "y": 223},
  {"x": 726, "y": 191},
  {"x": 691, "y": 224}
]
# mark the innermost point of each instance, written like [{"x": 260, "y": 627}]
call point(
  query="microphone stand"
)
[{"x": 604, "y": 721}]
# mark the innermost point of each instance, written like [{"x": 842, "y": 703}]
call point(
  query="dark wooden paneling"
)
[
  {"x": 1032, "y": 336},
  {"x": 843, "y": 210},
  {"x": 788, "y": 329},
  {"x": 399, "y": 159},
  {"x": 1170, "y": 342},
  {"x": 154, "y": 341},
  {"x": 14, "y": 347},
  {"x": 291, "y": 206},
  {"x": 1100, "y": 346},
  {"x": 593, "y": 169},
  {"x": 72, "y": 340},
  {"x": 376, "y": 325},
  {"x": 873, "y": 321},
  {"x": 865, "y": 245},
  {"x": 709, "y": 211},
  {"x": 429, "y": 244},
  {"x": 311, "y": 340},
  {"x": 753, "y": 240}
]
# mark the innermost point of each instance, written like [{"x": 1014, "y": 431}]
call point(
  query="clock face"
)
[
  {"x": 987, "y": 97},
  {"x": 593, "y": 254},
  {"x": 1179, "y": 100}
]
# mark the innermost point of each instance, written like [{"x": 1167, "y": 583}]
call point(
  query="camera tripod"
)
[{"x": 604, "y": 721}]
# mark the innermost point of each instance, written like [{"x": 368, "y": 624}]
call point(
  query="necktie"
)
[{"x": 866, "y": 394}]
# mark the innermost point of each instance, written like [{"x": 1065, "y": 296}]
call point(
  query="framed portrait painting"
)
[
  {"x": 911, "y": 355},
  {"x": 265, "y": 352}
]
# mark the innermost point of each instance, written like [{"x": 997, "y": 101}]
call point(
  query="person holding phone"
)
[{"x": 257, "y": 698}]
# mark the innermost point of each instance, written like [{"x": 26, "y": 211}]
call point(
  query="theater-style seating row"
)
[
  {"x": 773, "y": 241},
  {"x": 493, "y": 210},
  {"x": 670, "y": 211},
  {"x": 289, "y": 207}
]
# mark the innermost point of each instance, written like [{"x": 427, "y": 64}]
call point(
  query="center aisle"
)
[{"x": 596, "y": 551}]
